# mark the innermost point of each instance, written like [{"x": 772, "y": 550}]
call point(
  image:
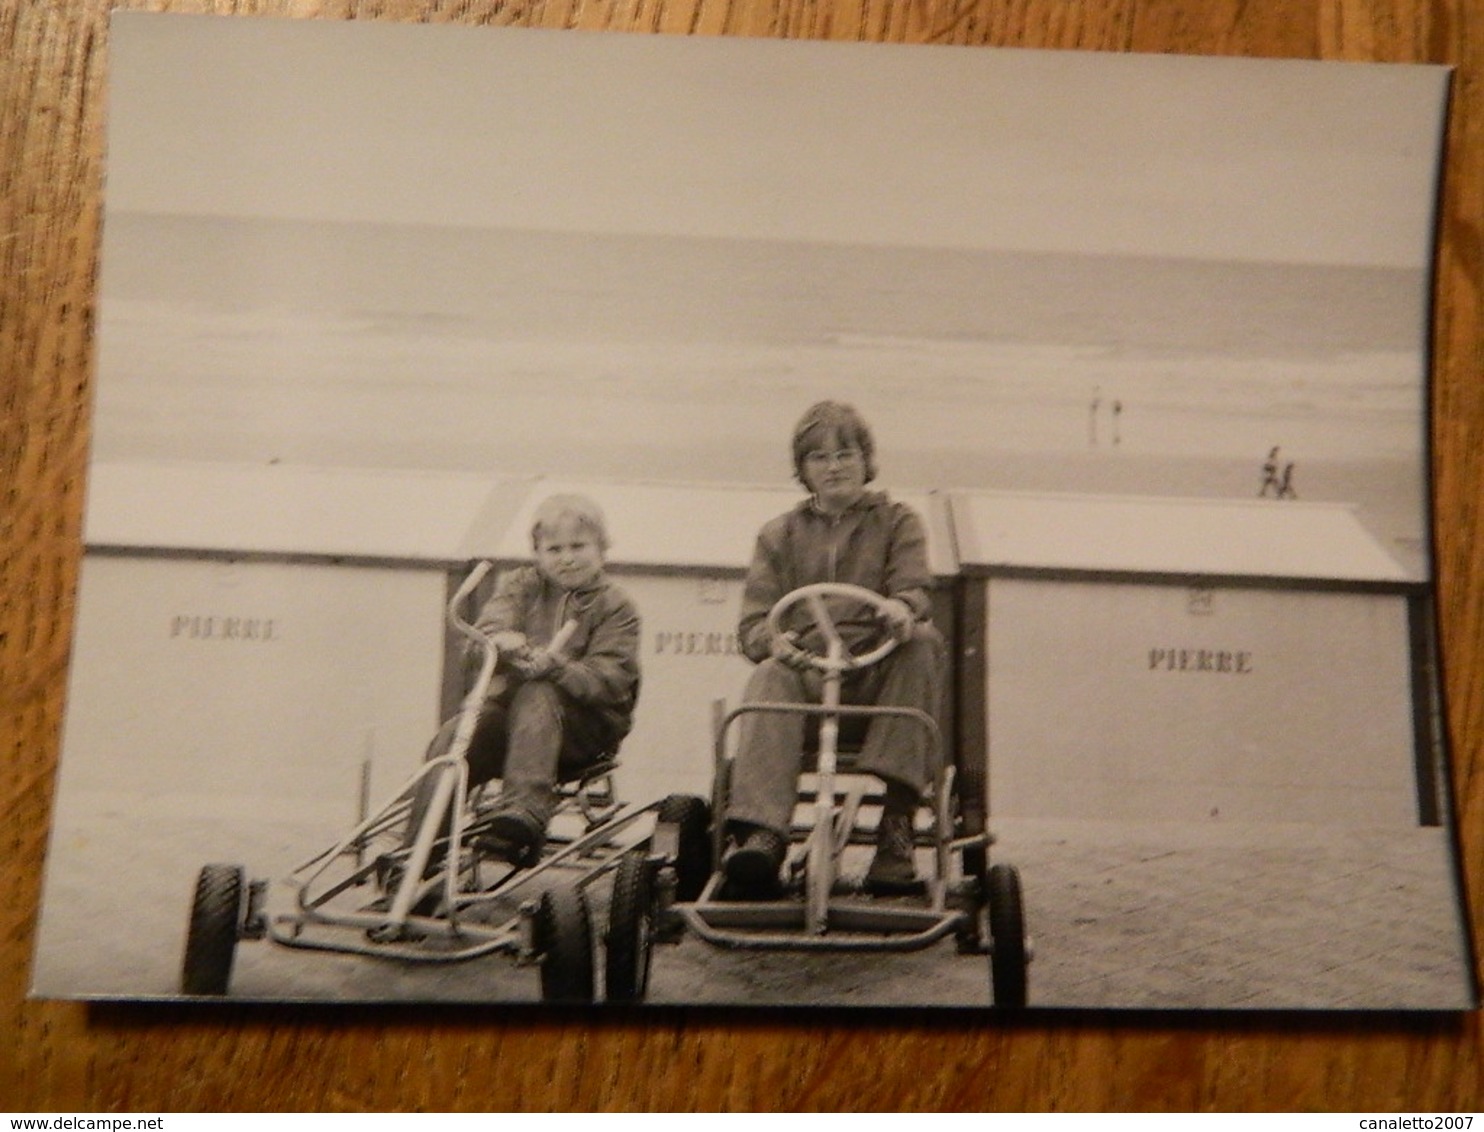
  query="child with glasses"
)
[{"x": 843, "y": 532}]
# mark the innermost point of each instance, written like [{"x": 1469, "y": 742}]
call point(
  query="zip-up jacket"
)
[
  {"x": 878, "y": 544},
  {"x": 599, "y": 664}
]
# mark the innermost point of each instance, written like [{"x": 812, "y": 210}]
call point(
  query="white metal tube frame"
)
[
  {"x": 395, "y": 932},
  {"x": 823, "y": 923}
]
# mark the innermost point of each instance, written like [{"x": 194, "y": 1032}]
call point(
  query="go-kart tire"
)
[
  {"x": 692, "y": 817},
  {"x": 1007, "y": 957},
  {"x": 631, "y": 925},
  {"x": 564, "y": 936},
  {"x": 211, "y": 941}
]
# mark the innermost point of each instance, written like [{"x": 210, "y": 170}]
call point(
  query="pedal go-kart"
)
[
  {"x": 818, "y": 908},
  {"x": 414, "y": 881}
]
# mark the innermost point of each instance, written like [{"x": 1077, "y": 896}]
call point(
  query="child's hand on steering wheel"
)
[
  {"x": 787, "y": 652},
  {"x": 508, "y": 641},
  {"x": 534, "y": 663},
  {"x": 898, "y": 618}
]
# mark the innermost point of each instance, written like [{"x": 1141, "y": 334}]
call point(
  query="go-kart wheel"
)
[
  {"x": 631, "y": 924},
  {"x": 564, "y": 936},
  {"x": 691, "y": 817},
  {"x": 814, "y": 595},
  {"x": 1007, "y": 957},
  {"x": 211, "y": 941}
]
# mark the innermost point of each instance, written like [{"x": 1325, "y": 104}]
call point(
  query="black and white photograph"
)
[{"x": 594, "y": 518}]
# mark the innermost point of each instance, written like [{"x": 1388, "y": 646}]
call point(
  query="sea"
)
[{"x": 634, "y": 356}]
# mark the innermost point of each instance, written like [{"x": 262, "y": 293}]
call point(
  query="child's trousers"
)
[
  {"x": 531, "y": 736},
  {"x": 770, "y": 748}
]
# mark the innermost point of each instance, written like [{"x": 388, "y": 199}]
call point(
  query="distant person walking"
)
[
  {"x": 1270, "y": 476},
  {"x": 1285, "y": 485},
  {"x": 1094, "y": 411}
]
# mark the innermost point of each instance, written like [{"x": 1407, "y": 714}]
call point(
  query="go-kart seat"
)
[
  {"x": 576, "y": 778},
  {"x": 590, "y": 787},
  {"x": 850, "y": 741}
]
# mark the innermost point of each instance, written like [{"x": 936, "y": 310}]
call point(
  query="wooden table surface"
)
[{"x": 61, "y": 1057}]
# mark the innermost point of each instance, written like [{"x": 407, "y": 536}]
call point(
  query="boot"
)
[
  {"x": 893, "y": 871},
  {"x": 751, "y": 865},
  {"x": 513, "y": 831}
]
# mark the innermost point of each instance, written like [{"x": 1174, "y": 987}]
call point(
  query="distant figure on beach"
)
[
  {"x": 1270, "y": 476},
  {"x": 1285, "y": 485},
  {"x": 1094, "y": 408}
]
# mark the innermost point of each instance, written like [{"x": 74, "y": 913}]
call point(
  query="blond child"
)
[{"x": 568, "y": 675}]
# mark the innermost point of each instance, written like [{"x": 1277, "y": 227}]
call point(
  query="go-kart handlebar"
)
[
  {"x": 489, "y": 651},
  {"x": 456, "y": 604}
]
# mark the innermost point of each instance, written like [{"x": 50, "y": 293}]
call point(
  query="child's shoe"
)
[
  {"x": 751, "y": 865},
  {"x": 892, "y": 870},
  {"x": 513, "y": 834}
]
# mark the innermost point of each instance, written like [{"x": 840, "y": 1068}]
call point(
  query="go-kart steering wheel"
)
[{"x": 814, "y": 596}]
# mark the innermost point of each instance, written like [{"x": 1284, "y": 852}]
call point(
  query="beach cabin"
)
[
  {"x": 248, "y": 633},
  {"x": 1146, "y": 659},
  {"x": 681, "y": 552},
  {"x": 262, "y": 632}
]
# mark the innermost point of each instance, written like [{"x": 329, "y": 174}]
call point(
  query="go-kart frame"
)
[{"x": 1144, "y": 340}]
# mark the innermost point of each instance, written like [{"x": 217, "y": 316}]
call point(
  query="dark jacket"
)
[
  {"x": 878, "y": 544},
  {"x": 600, "y": 661}
]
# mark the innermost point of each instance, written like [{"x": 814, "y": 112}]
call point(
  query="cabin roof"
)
[
  {"x": 436, "y": 517},
  {"x": 455, "y": 516},
  {"x": 1151, "y": 535},
  {"x": 688, "y": 526},
  {"x": 287, "y": 510}
]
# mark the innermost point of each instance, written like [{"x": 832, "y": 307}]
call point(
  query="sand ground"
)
[{"x": 1154, "y": 916}]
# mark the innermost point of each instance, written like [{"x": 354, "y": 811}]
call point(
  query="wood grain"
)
[{"x": 70, "y": 1057}]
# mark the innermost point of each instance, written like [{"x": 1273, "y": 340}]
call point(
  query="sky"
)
[
  {"x": 1234, "y": 252},
  {"x": 931, "y": 146}
]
